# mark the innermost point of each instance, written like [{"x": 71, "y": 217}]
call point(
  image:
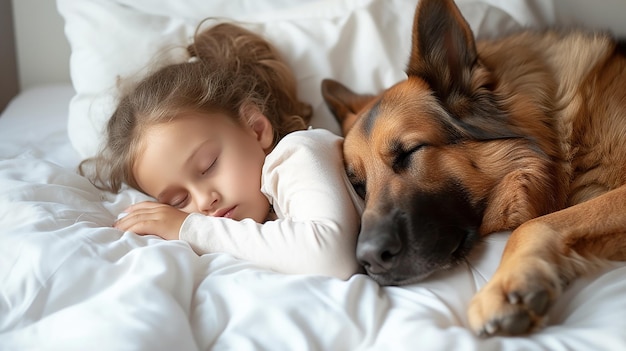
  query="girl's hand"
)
[{"x": 155, "y": 218}]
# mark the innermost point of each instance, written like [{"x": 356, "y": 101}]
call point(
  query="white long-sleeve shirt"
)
[{"x": 318, "y": 213}]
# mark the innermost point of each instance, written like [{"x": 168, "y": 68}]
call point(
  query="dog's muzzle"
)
[{"x": 403, "y": 245}]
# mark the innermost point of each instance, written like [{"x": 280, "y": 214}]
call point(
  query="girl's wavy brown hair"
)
[{"x": 230, "y": 70}]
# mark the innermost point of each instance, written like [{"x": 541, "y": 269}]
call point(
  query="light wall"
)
[
  {"x": 43, "y": 53},
  {"x": 9, "y": 83}
]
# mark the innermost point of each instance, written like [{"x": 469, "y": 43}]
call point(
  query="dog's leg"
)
[{"x": 542, "y": 256}]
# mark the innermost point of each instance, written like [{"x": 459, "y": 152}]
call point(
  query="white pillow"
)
[{"x": 362, "y": 43}]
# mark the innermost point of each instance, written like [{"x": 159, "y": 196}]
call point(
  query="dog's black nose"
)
[{"x": 377, "y": 253}]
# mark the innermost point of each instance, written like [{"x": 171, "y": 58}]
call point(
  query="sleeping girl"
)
[{"x": 221, "y": 143}]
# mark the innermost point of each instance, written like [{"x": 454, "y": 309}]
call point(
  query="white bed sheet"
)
[{"x": 71, "y": 282}]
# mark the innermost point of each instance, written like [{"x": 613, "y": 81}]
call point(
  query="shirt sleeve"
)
[{"x": 317, "y": 209}]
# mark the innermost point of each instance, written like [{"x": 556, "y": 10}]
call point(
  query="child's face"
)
[{"x": 207, "y": 164}]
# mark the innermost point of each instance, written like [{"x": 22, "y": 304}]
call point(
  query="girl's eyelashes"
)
[
  {"x": 206, "y": 170},
  {"x": 209, "y": 167},
  {"x": 179, "y": 202}
]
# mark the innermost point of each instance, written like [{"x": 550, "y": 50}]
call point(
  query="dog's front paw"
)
[{"x": 514, "y": 302}]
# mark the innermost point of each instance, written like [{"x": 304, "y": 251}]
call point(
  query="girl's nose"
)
[{"x": 207, "y": 202}]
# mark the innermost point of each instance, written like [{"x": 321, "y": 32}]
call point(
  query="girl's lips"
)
[
  {"x": 229, "y": 213},
  {"x": 226, "y": 213}
]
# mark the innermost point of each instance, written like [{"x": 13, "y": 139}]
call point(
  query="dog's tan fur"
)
[{"x": 523, "y": 133}]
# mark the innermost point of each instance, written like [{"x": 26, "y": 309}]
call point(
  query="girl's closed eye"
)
[
  {"x": 179, "y": 201},
  {"x": 208, "y": 168}
]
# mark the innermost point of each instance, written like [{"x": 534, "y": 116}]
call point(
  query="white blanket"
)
[
  {"x": 71, "y": 282},
  {"x": 68, "y": 281}
]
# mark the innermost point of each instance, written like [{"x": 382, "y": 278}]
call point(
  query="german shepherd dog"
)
[{"x": 524, "y": 133}]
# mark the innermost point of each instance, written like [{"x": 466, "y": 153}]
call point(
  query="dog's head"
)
[{"x": 427, "y": 154}]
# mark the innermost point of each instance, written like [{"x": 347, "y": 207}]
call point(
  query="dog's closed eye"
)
[
  {"x": 357, "y": 184},
  {"x": 402, "y": 157},
  {"x": 359, "y": 187}
]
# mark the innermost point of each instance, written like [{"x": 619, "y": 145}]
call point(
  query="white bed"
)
[{"x": 71, "y": 282}]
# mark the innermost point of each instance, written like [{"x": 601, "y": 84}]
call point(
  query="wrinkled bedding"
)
[{"x": 71, "y": 282}]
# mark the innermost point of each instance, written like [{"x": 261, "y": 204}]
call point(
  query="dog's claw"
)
[
  {"x": 491, "y": 328},
  {"x": 514, "y": 298},
  {"x": 516, "y": 324},
  {"x": 538, "y": 302}
]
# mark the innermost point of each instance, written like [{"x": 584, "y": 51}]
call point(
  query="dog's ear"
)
[
  {"x": 343, "y": 103},
  {"x": 443, "y": 48},
  {"x": 443, "y": 54}
]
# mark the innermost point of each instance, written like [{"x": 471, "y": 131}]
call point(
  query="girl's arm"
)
[{"x": 318, "y": 213}]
